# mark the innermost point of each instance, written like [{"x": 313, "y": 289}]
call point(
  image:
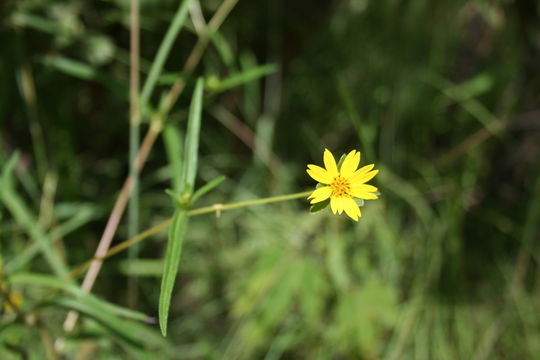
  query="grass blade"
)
[
  {"x": 163, "y": 52},
  {"x": 84, "y": 71},
  {"x": 170, "y": 267},
  {"x": 78, "y": 293},
  {"x": 248, "y": 75},
  {"x": 24, "y": 217},
  {"x": 121, "y": 327},
  {"x": 192, "y": 141},
  {"x": 179, "y": 222},
  {"x": 173, "y": 147},
  {"x": 80, "y": 218},
  {"x": 207, "y": 187}
]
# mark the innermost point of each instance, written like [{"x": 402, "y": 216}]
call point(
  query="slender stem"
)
[
  {"x": 222, "y": 207},
  {"x": 216, "y": 208},
  {"x": 134, "y": 139},
  {"x": 197, "y": 17}
]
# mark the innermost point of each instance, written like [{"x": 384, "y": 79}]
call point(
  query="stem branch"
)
[{"x": 217, "y": 208}]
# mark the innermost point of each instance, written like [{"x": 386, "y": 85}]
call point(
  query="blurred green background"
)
[{"x": 443, "y": 96}]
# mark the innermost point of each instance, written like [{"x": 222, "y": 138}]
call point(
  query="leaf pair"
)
[{"x": 184, "y": 184}]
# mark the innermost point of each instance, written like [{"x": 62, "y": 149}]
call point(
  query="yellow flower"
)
[{"x": 344, "y": 184}]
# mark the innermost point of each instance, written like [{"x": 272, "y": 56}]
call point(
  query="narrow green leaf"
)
[
  {"x": 119, "y": 326},
  {"x": 24, "y": 217},
  {"x": 72, "y": 67},
  {"x": 163, "y": 52},
  {"x": 25, "y": 19},
  {"x": 173, "y": 147},
  {"x": 170, "y": 78},
  {"x": 170, "y": 266},
  {"x": 245, "y": 76},
  {"x": 206, "y": 188},
  {"x": 84, "y": 71},
  {"x": 81, "y": 295},
  {"x": 192, "y": 140},
  {"x": 179, "y": 222},
  {"x": 174, "y": 196},
  {"x": 84, "y": 215}
]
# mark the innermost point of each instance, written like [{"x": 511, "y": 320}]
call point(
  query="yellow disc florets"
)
[{"x": 340, "y": 187}]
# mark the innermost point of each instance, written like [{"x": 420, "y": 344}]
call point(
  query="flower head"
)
[{"x": 343, "y": 184}]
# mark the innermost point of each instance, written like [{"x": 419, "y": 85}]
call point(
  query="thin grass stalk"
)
[{"x": 134, "y": 139}]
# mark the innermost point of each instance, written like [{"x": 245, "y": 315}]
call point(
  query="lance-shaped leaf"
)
[
  {"x": 170, "y": 267},
  {"x": 179, "y": 222},
  {"x": 189, "y": 166}
]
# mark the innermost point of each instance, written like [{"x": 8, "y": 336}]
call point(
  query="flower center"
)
[{"x": 340, "y": 187}]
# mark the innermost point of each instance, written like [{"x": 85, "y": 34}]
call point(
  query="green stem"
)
[
  {"x": 217, "y": 208},
  {"x": 222, "y": 207}
]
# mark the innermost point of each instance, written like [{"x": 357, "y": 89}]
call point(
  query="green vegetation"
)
[{"x": 235, "y": 98}]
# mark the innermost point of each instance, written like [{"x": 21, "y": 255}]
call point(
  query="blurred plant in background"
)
[{"x": 442, "y": 95}]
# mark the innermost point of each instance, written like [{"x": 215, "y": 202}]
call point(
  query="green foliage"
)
[
  {"x": 179, "y": 221},
  {"x": 173, "y": 145},
  {"x": 246, "y": 76},
  {"x": 442, "y": 96},
  {"x": 191, "y": 151},
  {"x": 170, "y": 267},
  {"x": 22, "y": 215},
  {"x": 163, "y": 52}
]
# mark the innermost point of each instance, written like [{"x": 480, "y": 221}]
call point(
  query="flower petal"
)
[
  {"x": 320, "y": 174},
  {"x": 333, "y": 205},
  {"x": 364, "y": 187},
  {"x": 330, "y": 163},
  {"x": 364, "y": 177},
  {"x": 363, "y": 191},
  {"x": 336, "y": 204},
  {"x": 339, "y": 203},
  {"x": 350, "y": 164},
  {"x": 320, "y": 194},
  {"x": 362, "y": 170},
  {"x": 351, "y": 208}
]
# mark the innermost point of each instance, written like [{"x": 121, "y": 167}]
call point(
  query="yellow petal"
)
[
  {"x": 340, "y": 205},
  {"x": 365, "y": 177},
  {"x": 320, "y": 194},
  {"x": 330, "y": 163},
  {"x": 319, "y": 174},
  {"x": 362, "y": 170},
  {"x": 351, "y": 208},
  {"x": 364, "y": 187},
  {"x": 336, "y": 205},
  {"x": 363, "y": 191},
  {"x": 350, "y": 164}
]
